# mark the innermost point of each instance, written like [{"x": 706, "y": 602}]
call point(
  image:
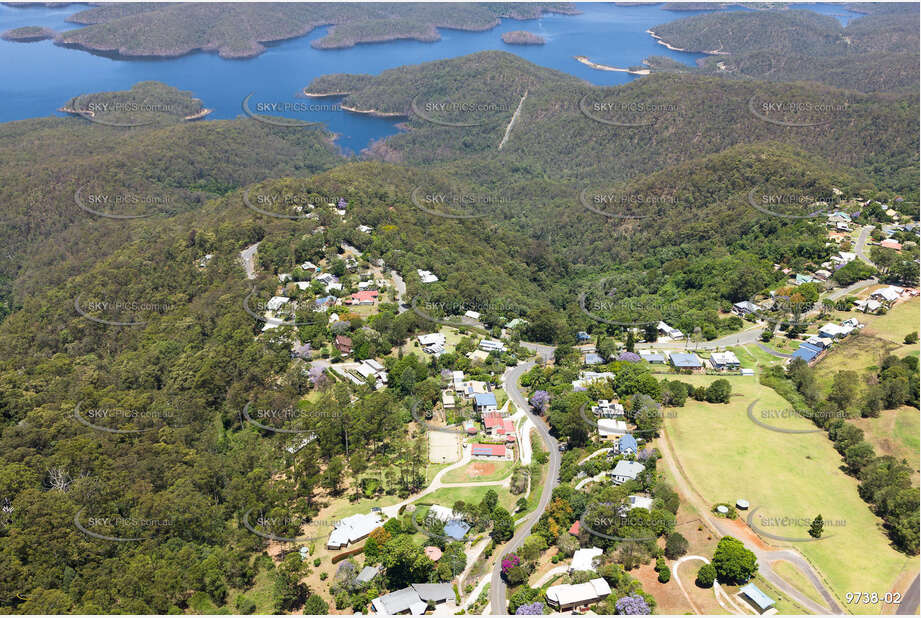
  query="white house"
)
[
  {"x": 353, "y": 528},
  {"x": 276, "y": 302},
  {"x": 888, "y": 294},
  {"x": 724, "y": 360},
  {"x": 626, "y": 471},
  {"x": 427, "y": 276},
  {"x": 611, "y": 429},
  {"x": 473, "y": 315},
  {"x": 491, "y": 345},
  {"x": 608, "y": 409},
  {"x": 668, "y": 331},
  {"x": 565, "y": 597},
  {"x": 587, "y": 377},
  {"x": 831, "y": 331},
  {"x": 372, "y": 369},
  {"x": 583, "y": 559}
]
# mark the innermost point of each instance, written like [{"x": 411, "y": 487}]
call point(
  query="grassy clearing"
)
[
  {"x": 895, "y": 433},
  {"x": 901, "y": 320},
  {"x": 795, "y": 578},
  {"x": 796, "y": 476},
  {"x": 474, "y": 472},
  {"x": 447, "y": 496}
]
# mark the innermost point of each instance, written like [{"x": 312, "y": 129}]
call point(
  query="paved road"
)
[
  {"x": 910, "y": 601},
  {"x": 400, "y": 287},
  {"x": 498, "y": 604},
  {"x": 861, "y": 245},
  {"x": 849, "y": 290},
  {"x": 545, "y": 352},
  {"x": 249, "y": 263},
  {"x": 751, "y": 335},
  {"x": 773, "y": 352}
]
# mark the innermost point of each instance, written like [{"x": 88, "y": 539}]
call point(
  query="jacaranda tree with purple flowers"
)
[
  {"x": 539, "y": 401},
  {"x": 629, "y": 357},
  {"x": 531, "y": 609},
  {"x": 633, "y": 605}
]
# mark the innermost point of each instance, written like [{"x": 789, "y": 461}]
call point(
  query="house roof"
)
[
  {"x": 353, "y": 528},
  {"x": 367, "y": 574},
  {"x": 806, "y": 353},
  {"x": 746, "y": 305},
  {"x": 724, "y": 358},
  {"x": 485, "y": 399},
  {"x": 365, "y": 295},
  {"x": 593, "y": 359},
  {"x": 434, "y": 592},
  {"x": 754, "y": 593},
  {"x": 400, "y": 601},
  {"x": 582, "y": 559},
  {"x": 687, "y": 360},
  {"x": 497, "y": 450},
  {"x": 652, "y": 357},
  {"x": 569, "y": 594},
  {"x": 629, "y": 469},
  {"x": 611, "y": 426},
  {"x": 343, "y": 340},
  {"x": 640, "y": 502},
  {"x": 627, "y": 442},
  {"x": 574, "y": 529}
]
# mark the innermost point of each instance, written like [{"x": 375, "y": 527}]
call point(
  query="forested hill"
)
[
  {"x": 579, "y": 133},
  {"x": 874, "y": 53},
  {"x": 56, "y": 172},
  {"x": 239, "y": 30}
]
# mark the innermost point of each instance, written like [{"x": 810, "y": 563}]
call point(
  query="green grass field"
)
[
  {"x": 447, "y": 496},
  {"x": 897, "y": 323},
  {"x": 727, "y": 457}
]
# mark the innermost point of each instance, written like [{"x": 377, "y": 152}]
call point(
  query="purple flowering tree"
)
[
  {"x": 539, "y": 401},
  {"x": 509, "y": 562},
  {"x": 633, "y": 605},
  {"x": 629, "y": 357},
  {"x": 531, "y": 609},
  {"x": 318, "y": 377}
]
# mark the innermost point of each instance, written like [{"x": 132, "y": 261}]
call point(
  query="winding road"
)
[
  {"x": 498, "y": 604},
  {"x": 862, "y": 243}
]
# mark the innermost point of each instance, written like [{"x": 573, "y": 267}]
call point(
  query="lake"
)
[{"x": 37, "y": 78}]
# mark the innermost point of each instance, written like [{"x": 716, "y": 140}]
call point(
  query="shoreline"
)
[
  {"x": 320, "y": 95},
  {"x": 603, "y": 67},
  {"x": 374, "y": 112},
  {"x": 199, "y": 114},
  {"x": 661, "y": 41}
]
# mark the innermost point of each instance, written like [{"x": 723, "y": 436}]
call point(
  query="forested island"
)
[
  {"x": 522, "y": 37},
  {"x": 239, "y": 30},
  {"x": 28, "y": 34}
]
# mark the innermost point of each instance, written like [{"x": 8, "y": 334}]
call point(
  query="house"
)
[
  {"x": 353, "y": 528},
  {"x": 888, "y": 294},
  {"x": 432, "y": 341},
  {"x": 583, "y": 559},
  {"x": 801, "y": 279},
  {"x": 515, "y": 323},
  {"x": 653, "y": 358},
  {"x": 868, "y": 306},
  {"x": 374, "y": 370},
  {"x": 367, "y": 574},
  {"x": 890, "y": 243},
  {"x": 626, "y": 471},
  {"x": 447, "y": 400},
  {"x": 457, "y": 377},
  {"x": 844, "y": 257},
  {"x": 277, "y": 302},
  {"x": 583, "y": 336},
  {"x": 310, "y": 266},
  {"x": 565, "y": 597},
  {"x": 574, "y": 529},
  {"x": 473, "y": 315},
  {"x": 668, "y": 331},
  {"x": 822, "y": 275},
  {"x": 639, "y": 502},
  {"x": 436, "y": 594},
  {"x": 488, "y": 451},
  {"x": 806, "y": 353},
  {"x": 364, "y": 297},
  {"x": 830, "y": 331},
  {"x": 484, "y": 402},
  {"x": 745, "y": 308},
  {"x": 488, "y": 345},
  {"x": 473, "y": 388},
  {"x": 593, "y": 359},
  {"x": 343, "y": 344},
  {"x": 399, "y": 602},
  {"x": 284, "y": 277},
  {"x": 587, "y": 377},
  {"x": 427, "y": 276},
  {"x": 762, "y": 601},
  {"x": 818, "y": 342},
  {"x": 626, "y": 445},
  {"x": 364, "y": 229},
  {"x": 611, "y": 429},
  {"x": 608, "y": 409},
  {"x": 686, "y": 361},
  {"x": 327, "y": 278},
  {"x": 499, "y": 426},
  {"x": 724, "y": 360},
  {"x": 324, "y": 302}
]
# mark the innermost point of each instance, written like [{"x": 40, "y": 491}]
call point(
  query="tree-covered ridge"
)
[
  {"x": 576, "y": 132},
  {"x": 238, "y": 30},
  {"x": 874, "y": 53}
]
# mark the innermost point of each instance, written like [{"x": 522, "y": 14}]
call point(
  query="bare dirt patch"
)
[
  {"x": 480, "y": 468},
  {"x": 669, "y": 598}
]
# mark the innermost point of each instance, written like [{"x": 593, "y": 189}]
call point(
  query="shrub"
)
[
  {"x": 706, "y": 576},
  {"x": 665, "y": 574},
  {"x": 911, "y": 338},
  {"x": 675, "y": 546}
]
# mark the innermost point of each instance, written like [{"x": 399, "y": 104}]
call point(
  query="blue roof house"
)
[
  {"x": 687, "y": 361},
  {"x": 627, "y": 444},
  {"x": 485, "y": 402},
  {"x": 762, "y": 601}
]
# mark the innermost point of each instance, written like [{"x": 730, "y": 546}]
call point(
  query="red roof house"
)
[
  {"x": 364, "y": 297},
  {"x": 488, "y": 450}
]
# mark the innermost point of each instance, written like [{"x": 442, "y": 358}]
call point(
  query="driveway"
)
[{"x": 498, "y": 603}]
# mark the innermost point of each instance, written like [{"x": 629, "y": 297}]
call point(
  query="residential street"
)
[
  {"x": 860, "y": 247},
  {"x": 497, "y": 590}
]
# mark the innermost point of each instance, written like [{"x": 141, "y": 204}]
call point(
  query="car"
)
[{"x": 562, "y": 446}]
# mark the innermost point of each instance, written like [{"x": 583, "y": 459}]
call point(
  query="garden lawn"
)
[{"x": 728, "y": 457}]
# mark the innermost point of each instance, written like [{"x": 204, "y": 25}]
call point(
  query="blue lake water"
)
[{"x": 37, "y": 78}]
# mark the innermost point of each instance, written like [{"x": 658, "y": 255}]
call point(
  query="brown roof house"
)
[{"x": 343, "y": 344}]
